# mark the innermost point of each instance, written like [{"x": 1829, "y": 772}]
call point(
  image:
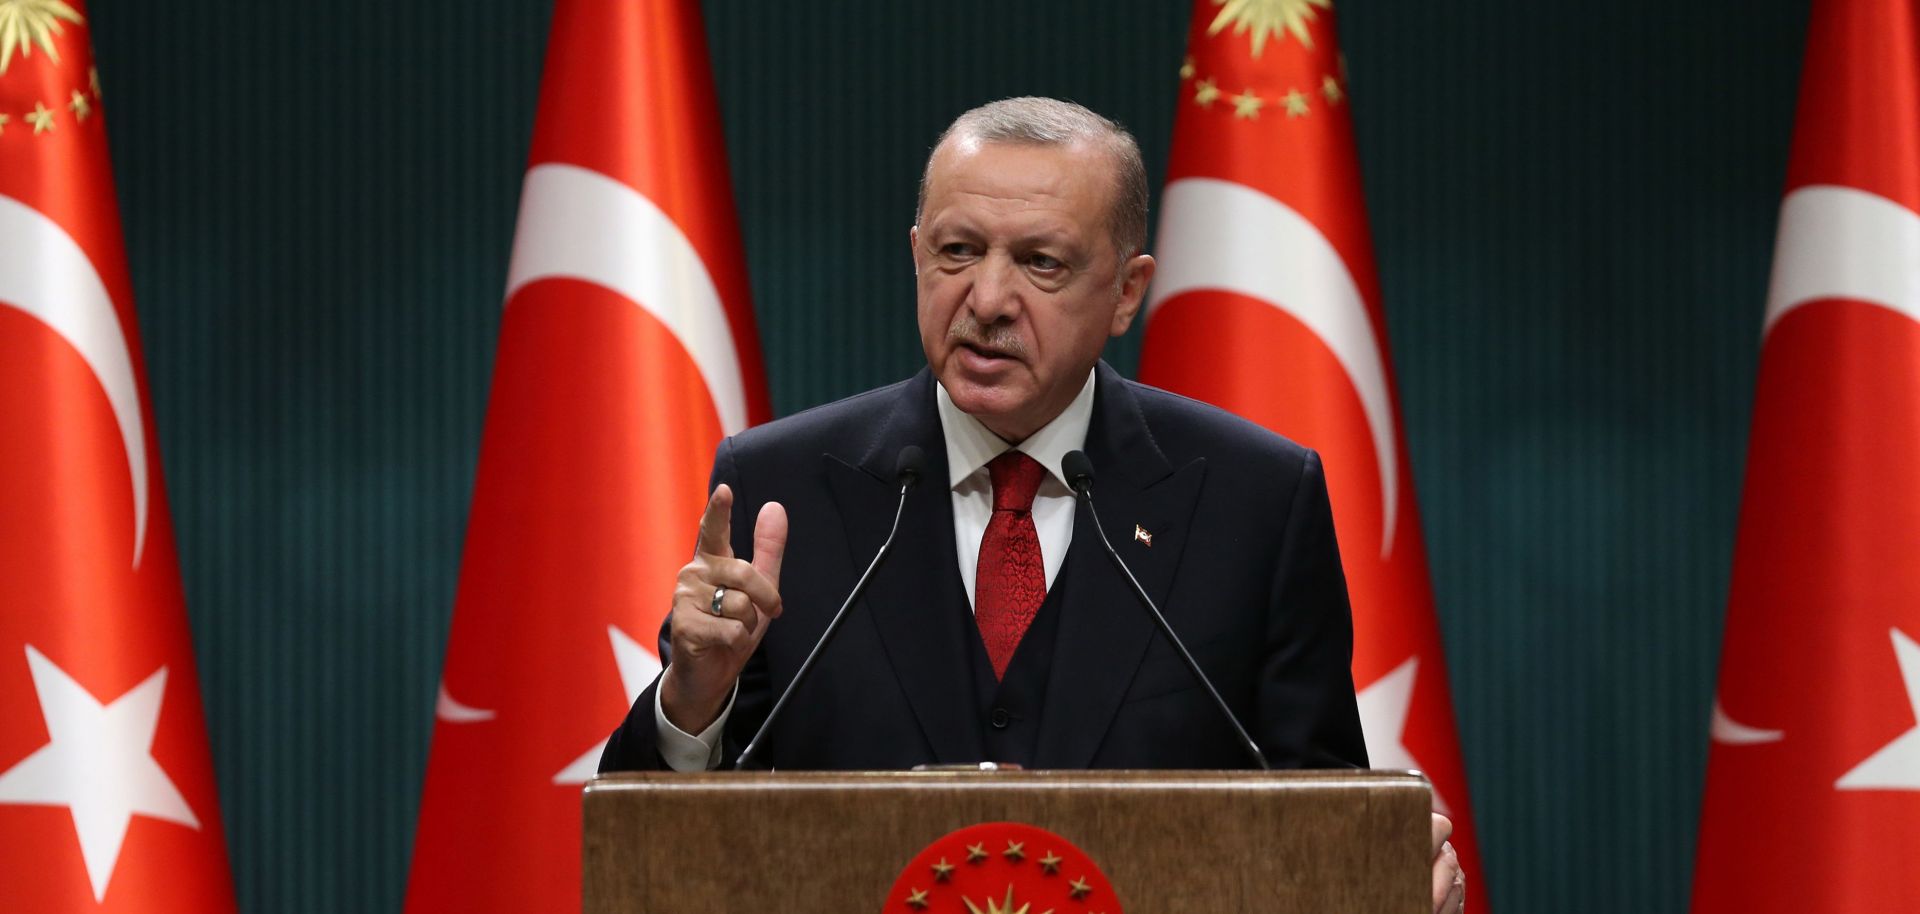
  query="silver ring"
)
[{"x": 719, "y": 593}]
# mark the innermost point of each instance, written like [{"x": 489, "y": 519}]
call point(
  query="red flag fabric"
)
[
  {"x": 1813, "y": 776},
  {"x": 1266, "y": 303},
  {"x": 107, "y": 797},
  {"x": 627, "y": 350}
]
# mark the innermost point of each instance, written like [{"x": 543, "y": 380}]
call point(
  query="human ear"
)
[{"x": 1135, "y": 276}]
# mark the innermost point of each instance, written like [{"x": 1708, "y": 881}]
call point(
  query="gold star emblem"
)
[
  {"x": 1247, "y": 105},
  {"x": 25, "y": 23},
  {"x": 1079, "y": 889},
  {"x": 918, "y": 899},
  {"x": 79, "y": 106},
  {"x": 942, "y": 871},
  {"x": 976, "y": 852},
  {"x": 993, "y": 907},
  {"x": 1330, "y": 88},
  {"x": 40, "y": 118},
  {"x": 3, "y": 124},
  {"x": 1016, "y": 851},
  {"x": 1050, "y": 864},
  {"x": 1267, "y": 18},
  {"x": 1296, "y": 103},
  {"x": 1204, "y": 92},
  {"x": 1186, "y": 68}
]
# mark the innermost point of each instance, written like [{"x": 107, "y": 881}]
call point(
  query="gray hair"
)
[{"x": 1051, "y": 122}]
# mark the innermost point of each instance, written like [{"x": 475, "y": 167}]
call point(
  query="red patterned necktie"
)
[{"x": 1010, "y": 582}]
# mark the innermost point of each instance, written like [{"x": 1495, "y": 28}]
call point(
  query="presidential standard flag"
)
[
  {"x": 627, "y": 349},
  {"x": 107, "y": 799},
  {"x": 1813, "y": 777},
  {"x": 1266, "y": 304}
]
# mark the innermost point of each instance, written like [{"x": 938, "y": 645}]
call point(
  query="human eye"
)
[
  {"x": 959, "y": 250},
  {"x": 1045, "y": 263}
]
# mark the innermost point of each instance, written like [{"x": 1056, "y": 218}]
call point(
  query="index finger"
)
[{"x": 716, "y": 525}]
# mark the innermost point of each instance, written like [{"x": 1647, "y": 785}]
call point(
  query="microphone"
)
[
  {"x": 907, "y": 468},
  {"x": 1079, "y": 472}
]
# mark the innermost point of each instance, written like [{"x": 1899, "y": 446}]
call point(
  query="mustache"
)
[{"x": 1001, "y": 338}]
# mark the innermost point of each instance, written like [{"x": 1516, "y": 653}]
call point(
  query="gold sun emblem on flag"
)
[
  {"x": 25, "y": 23},
  {"x": 1268, "y": 18},
  {"x": 994, "y": 907}
]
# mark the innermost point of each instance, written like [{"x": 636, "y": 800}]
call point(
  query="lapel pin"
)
[{"x": 1141, "y": 536}]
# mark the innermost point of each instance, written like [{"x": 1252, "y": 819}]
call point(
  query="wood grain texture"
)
[{"x": 1321, "y": 841}]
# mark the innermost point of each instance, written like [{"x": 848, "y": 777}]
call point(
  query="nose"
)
[{"x": 995, "y": 295}]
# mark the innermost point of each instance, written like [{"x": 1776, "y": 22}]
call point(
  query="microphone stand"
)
[
  {"x": 1080, "y": 473},
  {"x": 907, "y": 472}
]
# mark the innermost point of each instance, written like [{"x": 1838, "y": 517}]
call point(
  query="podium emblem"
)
[{"x": 1002, "y": 868}]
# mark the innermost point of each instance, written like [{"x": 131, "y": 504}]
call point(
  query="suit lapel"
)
[
  {"x": 916, "y": 601},
  {"x": 1104, "y": 631}
]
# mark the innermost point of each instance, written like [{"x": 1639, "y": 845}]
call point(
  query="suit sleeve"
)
[{"x": 1307, "y": 716}]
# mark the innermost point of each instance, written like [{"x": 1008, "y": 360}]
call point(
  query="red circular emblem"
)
[{"x": 1002, "y": 868}]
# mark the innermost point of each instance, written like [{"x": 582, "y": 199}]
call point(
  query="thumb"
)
[{"x": 770, "y": 540}]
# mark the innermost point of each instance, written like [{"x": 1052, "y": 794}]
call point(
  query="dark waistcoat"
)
[{"x": 1008, "y": 711}]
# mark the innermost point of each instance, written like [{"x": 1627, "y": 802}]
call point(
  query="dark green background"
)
[{"x": 1573, "y": 206}]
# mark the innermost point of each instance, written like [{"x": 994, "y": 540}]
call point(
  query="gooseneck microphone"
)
[
  {"x": 906, "y": 471},
  {"x": 1079, "y": 472}
]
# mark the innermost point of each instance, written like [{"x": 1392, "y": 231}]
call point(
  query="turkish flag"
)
[
  {"x": 1813, "y": 778},
  {"x": 626, "y": 351},
  {"x": 1266, "y": 304},
  {"x": 107, "y": 798}
]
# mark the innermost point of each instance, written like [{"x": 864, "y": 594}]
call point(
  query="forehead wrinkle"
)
[
  {"x": 1053, "y": 211},
  {"x": 1026, "y": 209},
  {"x": 1047, "y": 199}
]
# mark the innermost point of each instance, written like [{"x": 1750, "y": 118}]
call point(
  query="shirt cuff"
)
[{"x": 685, "y": 751}]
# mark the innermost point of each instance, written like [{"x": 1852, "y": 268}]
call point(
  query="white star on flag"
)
[
  {"x": 99, "y": 764},
  {"x": 1897, "y": 765},
  {"x": 638, "y": 666},
  {"x": 1383, "y": 720}
]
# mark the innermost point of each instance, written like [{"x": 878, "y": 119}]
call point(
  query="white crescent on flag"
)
[
  {"x": 452, "y": 710},
  {"x": 1843, "y": 242},
  {"x": 1217, "y": 234},
  {"x": 580, "y": 224},
  {"x": 45, "y": 273},
  {"x": 1724, "y": 729}
]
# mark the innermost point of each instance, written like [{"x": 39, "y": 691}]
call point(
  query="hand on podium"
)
[
  {"x": 721, "y": 608},
  {"x": 1449, "y": 880}
]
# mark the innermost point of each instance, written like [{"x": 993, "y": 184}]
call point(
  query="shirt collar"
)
[{"x": 971, "y": 445}]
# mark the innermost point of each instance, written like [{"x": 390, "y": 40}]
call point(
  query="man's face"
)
[{"x": 1019, "y": 281}]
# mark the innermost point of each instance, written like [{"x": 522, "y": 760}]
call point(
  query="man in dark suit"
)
[{"x": 997, "y": 631}]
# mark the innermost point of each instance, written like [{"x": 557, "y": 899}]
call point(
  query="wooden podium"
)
[{"x": 1323, "y": 842}]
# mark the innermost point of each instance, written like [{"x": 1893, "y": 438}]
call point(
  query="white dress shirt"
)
[{"x": 970, "y": 447}]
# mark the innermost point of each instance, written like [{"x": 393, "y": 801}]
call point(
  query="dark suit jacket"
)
[{"x": 1242, "y": 561}]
